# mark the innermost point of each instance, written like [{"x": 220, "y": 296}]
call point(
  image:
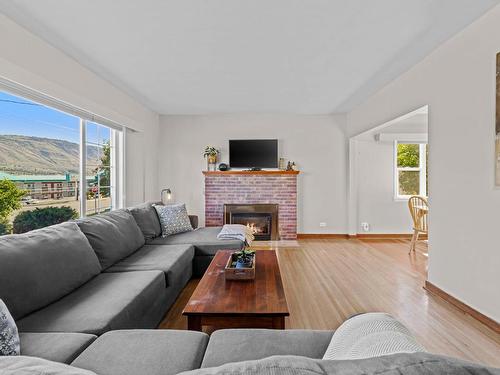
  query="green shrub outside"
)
[{"x": 42, "y": 217}]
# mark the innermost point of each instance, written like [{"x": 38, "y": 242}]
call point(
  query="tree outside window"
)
[{"x": 411, "y": 169}]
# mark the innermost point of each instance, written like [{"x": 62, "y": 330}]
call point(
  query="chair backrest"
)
[{"x": 419, "y": 208}]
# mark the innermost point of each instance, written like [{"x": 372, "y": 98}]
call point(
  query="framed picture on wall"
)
[{"x": 497, "y": 126}]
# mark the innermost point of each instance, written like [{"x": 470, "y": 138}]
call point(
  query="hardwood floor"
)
[{"x": 328, "y": 280}]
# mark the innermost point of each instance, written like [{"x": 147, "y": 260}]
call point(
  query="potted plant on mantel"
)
[{"x": 211, "y": 154}]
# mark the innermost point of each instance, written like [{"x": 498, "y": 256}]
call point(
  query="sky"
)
[{"x": 23, "y": 117}]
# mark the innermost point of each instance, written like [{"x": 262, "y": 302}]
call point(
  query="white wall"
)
[
  {"x": 376, "y": 204},
  {"x": 29, "y": 61},
  {"x": 316, "y": 143},
  {"x": 374, "y": 168},
  {"x": 142, "y": 165},
  {"x": 457, "y": 81}
]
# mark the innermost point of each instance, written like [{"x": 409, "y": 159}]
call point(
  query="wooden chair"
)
[{"x": 419, "y": 209}]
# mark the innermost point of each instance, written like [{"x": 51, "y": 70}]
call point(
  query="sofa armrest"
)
[{"x": 194, "y": 221}]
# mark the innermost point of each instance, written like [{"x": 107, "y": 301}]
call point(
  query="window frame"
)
[
  {"x": 116, "y": 167},
  {"x": 422, "y": 167},
  {"x": 117, "y": 141}
]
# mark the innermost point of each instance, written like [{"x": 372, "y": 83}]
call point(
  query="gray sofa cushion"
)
[
  {"x": 233, "y": 345},
  {"x": 144, "y": 352},
  {"x": 171, "y": 259},
  {"x": 41, "y": 266},
  {"x": 113, "y": 235},
  {"x": 55, "y": 346},
  {"x": 204, "y": 240},
  {"x": 23, "y": 365},
  {"x": 279, "y": 365},
  {"x": 396, "y": 364},
  {"x": 109, "y": 301},
  {"x": 147, "y": 219}
]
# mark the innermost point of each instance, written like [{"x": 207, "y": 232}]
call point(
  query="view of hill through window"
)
[{"x": 40, "y": 165}]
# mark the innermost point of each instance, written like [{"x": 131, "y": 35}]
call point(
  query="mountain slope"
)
[{"x": 21, "y": 154}]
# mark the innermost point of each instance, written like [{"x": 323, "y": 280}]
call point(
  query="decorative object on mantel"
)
[
  {"x": 166, "y": 193},
  {"x": 241, "y": 265},
  {"x": 291, "y": 166},
  {"x": 281, "y": 164},
  {"x": 211, "y": 154},
  {"x": 223, "y": 167}
]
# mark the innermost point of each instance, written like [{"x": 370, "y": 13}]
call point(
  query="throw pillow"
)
[
  {"x": 9, "y": 337},
  {"x": 371, "y": 335},
  {"x": 173, "y": 219}
]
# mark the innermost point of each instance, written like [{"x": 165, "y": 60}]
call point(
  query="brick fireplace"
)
[{"x": 258, "y": 188}]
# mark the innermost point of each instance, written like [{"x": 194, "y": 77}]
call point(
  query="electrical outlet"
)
[
  {"x": 322, "y": 224},
  {"x": 365, "y": 227}
]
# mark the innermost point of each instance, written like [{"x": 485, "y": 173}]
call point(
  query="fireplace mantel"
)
[
  {"x": 221, "y": 173},
  {"x": 253, "y": 187}
]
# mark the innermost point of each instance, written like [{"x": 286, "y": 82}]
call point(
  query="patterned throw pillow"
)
[
  {"x": 9, "y": 337},
  {"x": 173, "y": 219}
]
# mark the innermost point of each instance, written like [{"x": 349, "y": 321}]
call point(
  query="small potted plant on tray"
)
[
  {"x": 241, "y": 265},
  {"x": 244, "y": 258}
]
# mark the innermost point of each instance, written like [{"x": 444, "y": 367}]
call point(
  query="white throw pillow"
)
[
  {"x": 173, "y": 219},
  {"x": 9, "y": 337},
  {"x": 371, "y": 335}
]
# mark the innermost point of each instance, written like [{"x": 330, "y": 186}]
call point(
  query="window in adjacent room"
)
[{"x": 410, "y": 176}]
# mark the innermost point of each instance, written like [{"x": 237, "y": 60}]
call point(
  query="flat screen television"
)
[{"x": 253, "y": 153}]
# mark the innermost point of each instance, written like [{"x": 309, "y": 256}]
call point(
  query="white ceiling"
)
[{"x": 228, "y": 56}]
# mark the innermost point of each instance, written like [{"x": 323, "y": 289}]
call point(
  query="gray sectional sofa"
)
[
  {"x": 84, "y": 294},
  {"x": 235, "y": 352},
  {"x": 71, "y": 282}
]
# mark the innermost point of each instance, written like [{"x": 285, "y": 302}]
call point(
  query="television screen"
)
[{"x": 253, "y": 153}]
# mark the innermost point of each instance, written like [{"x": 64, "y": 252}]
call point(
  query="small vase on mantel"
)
[
  {"x": 211, "y": 154},
  {"x": 212, "y": 163}
]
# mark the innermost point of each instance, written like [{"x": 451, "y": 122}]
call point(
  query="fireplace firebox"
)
[{"x": 262, "y": 219}]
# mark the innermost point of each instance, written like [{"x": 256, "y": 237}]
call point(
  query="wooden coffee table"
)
[{"x": 258, "y": 303}]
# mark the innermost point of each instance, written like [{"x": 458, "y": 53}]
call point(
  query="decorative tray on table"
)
[{"x": 241, "y": 266}]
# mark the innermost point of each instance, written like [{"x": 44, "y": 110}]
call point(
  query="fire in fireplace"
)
[
  {"x": 259, "y": 223},
  {"x": 262, "y": 219}
]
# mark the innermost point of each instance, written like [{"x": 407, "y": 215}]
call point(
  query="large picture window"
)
[
  {"x": 410, "y": 169},
  {"x": 54, "y": 166}
]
